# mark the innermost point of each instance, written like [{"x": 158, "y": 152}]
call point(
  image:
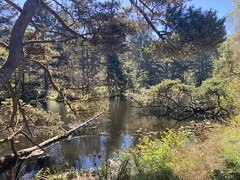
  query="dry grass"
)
[{"x": 200, "y": 159}]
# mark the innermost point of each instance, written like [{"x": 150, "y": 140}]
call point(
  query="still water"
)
[{"x": 84, "y": 152}]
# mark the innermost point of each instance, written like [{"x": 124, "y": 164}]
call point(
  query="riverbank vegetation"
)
[
  {"x": 174, "y": 59},
  {"x": 212, "y": 154},
  {"x": 200, "y": 151}
]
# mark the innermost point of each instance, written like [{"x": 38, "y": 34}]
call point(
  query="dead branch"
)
[
  {"x": 24, "y": 118},
  {"x": 14, "y": 102},
  {"x": 30, "y": 140},
  {"x": 6, "y": 140},
  {"x": 49, "y": 41},
  {"x": 9, "y": 161}
]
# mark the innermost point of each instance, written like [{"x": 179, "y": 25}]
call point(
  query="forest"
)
[{"x": 169, "y": 63}]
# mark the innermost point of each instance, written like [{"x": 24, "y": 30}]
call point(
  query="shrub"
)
[{"x": 155, "y": 156}]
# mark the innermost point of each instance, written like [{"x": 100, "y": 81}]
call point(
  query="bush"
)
[
  {"x": 214, "y": 99},
  {"x": 155, "y": 156}
]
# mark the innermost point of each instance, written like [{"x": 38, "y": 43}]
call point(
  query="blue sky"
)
[{"x": 223, "y": 7}]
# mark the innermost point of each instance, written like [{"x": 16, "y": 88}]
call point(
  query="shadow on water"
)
[{"x": 84, "y": 152}]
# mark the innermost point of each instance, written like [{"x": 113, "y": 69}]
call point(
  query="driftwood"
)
[{"x": 9, "y": 161}]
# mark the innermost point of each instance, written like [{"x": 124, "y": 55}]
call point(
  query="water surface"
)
[{"x": 116, "y": 133}]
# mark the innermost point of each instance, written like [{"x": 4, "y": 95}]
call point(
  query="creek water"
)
[{"x": 84, "y": 152}]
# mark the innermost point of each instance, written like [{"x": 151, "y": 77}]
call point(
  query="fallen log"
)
[{"x": 6, "y": 162}]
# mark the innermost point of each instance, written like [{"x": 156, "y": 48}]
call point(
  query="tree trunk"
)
[
  {"x": 9, "y": 161},
  {"x": 15, "y": 56}
]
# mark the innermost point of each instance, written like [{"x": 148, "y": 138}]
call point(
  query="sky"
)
[{"x": 223, "y": 7}]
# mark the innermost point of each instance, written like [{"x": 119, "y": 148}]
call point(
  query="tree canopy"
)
[{"x": 181, "y": 31}]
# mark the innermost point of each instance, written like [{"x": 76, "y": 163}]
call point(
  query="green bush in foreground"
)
[{"x": 153, "y": 158}]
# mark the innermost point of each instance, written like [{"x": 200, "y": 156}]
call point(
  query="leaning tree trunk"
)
[
  {"x": 15, "y": 47},
  {"x": 9, "y": 161}
]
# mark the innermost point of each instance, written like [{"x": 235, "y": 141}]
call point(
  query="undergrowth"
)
[{"x": 177, "y": 155}]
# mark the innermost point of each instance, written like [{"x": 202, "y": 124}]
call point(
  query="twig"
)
[
  {"x": 29, "y": 139},
  {"x": 54, "y": 85},
  {"x": 6, "y": 140}
]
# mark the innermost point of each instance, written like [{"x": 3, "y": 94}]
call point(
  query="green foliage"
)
[
  {"x": 153, "y": 156},
  {"x": 215, "y": 98},
  {"x": 194, "y": 32},
  {"x": 215, "y": 94},
  {"x": 31, "y": 91},
  {"x": 115, "y": 76},
  {"x": 3, "y": 54},
  {"x": 228, "y": 64},
  {"x": 104, "y": 170},
  {"x": 89, "y": 105},
  {"x": 49, "y": 174},
  {"x": 169, "y": 91},
  {"x": 231, "y": 149},
  {"x": 123, "y": 172},
  {"x": 43, "y": 122},
  {"x": 140, "y": 67},
  {"x": 227, "y": 68},
  {"x": 100, "y": 91}
]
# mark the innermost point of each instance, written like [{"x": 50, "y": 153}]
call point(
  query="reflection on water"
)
[
  {"x": 91, "y": 151},
  {"x": 56, "y": 107}
]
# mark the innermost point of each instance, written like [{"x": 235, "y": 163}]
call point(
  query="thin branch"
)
[
  {"x": 6, "y": 140},
  {"x": 14, "y": 102},
  {"x": 147, "y": 19},
  {"x": 49, "y": 41},
  {"x": 56, "y": 32},
  {"x": 13, "y": 147},
  {"x": 151, "y": 10},
  {"x": 146, "y": 6},
  {"x": 54, "y": 85},
  {"x": 24, "y": 118},
  {"x": 4, "y": 45},
  {"x": 10, "y": 160},
  {"x": 29, "y": 139},
  {"x": 60, "y": 20},
  {"x": 65, "y": 10}
]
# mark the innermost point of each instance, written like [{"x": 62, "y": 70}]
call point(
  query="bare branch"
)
[
  {"x": 49, "y": 41},
  {"x": 64, "y": 9},
  {"x": 10, "y": 160},
  {"x": 4, "y": 45},
  {"x": 13, "y": 147},
  {"x": 29, "y": 139},
  {"x": 14, "y": 97},
  {"x": 151, "y": 10},
  {"x": 147, "y": 19},
  {"x": 14, "y": 5},
  {"x": 60, "y": 20},
  {"x": 6, "y": 140}
]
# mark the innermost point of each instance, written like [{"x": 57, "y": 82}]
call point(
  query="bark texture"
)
[{"x": 16, "y": 55}]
